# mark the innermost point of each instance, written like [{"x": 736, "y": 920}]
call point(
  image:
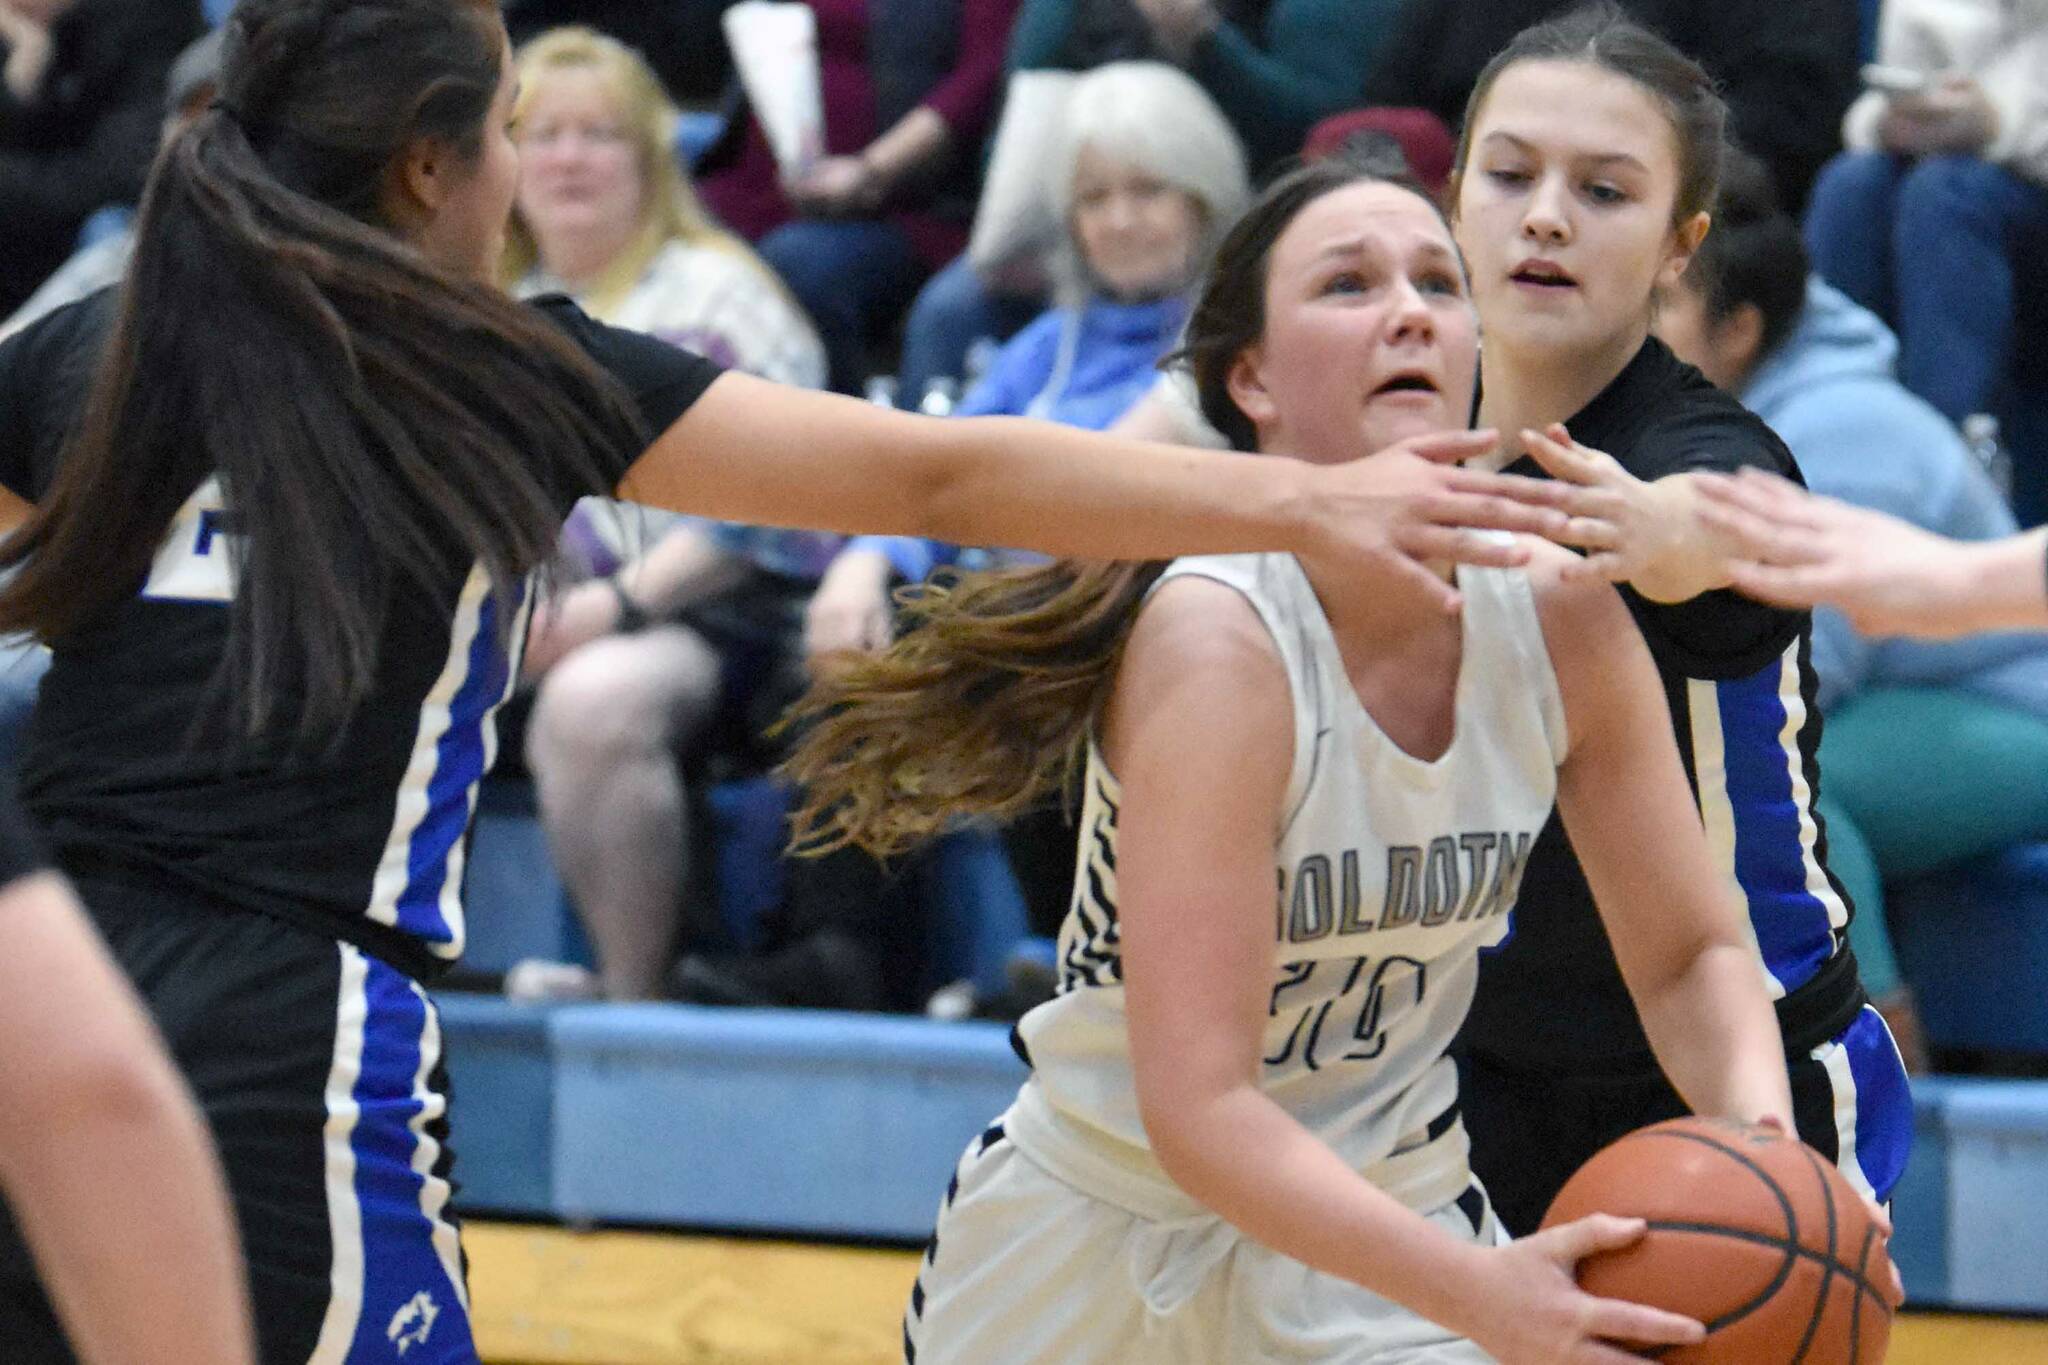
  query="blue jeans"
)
[
  {"x": 1945, "y": 248},
  {"x": 853, "y": 276},
  {"x": 952, "y": 312}
]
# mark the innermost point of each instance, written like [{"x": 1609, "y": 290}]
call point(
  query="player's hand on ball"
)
[{"x": 1536, "y": 1314}]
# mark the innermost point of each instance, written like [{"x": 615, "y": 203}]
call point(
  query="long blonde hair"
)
[
  {"x": 669, "y": 208},
  {"x": 981, "y": 709}
]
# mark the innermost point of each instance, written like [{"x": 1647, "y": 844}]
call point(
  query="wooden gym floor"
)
[{"x": 548, "y": 1296}]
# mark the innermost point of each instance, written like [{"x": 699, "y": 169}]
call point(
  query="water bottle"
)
[
  {"x": 881, "y": 390},
  {"x": 1980, "y": 434},
  {"x": 939, "y": 397}
]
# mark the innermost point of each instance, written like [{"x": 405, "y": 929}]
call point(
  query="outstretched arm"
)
[
  {"x": 1678, "y": 928},
  {"x": 1889, "y": 577},
  {"x": 145, "y": 1266},
  {"x": 751, "y": 451}
]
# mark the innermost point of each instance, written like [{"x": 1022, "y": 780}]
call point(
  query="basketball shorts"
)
[
  {"x": 319, "y": 1071},
  {"x": 1530, "y": 1131},
  {"x": 1024, "y": 1269}
]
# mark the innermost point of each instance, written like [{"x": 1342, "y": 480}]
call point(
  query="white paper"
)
[{"x": 775, "y": 48}]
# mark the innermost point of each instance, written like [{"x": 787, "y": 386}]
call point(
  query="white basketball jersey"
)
[{"x": 1392, "y": 872}]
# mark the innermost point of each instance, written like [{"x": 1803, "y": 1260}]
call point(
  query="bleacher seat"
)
[
  {"x": 501, "y": 1069},
  {"x": 1971, "y": 1215},
  {"x": 807, "y": 1123}
]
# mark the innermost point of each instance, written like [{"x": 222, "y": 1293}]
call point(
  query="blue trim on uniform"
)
[
  {"x": 1884, "y": 1102},
  {"x": 400, "y": 1264},
  {"x": 1793, "y": 930},
  {"x": 458, "y": 767}
]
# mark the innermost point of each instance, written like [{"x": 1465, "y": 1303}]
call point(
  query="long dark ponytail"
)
[{"x": 377, "y": 424}]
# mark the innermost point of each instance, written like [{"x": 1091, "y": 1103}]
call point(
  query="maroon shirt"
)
[{"x": 748, "y": 194}]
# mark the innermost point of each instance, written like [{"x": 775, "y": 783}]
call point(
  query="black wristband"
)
[{"x": 633, "y": 617}]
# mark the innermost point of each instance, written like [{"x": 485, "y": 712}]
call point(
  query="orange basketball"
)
[{"x": 1751, "y": 1232}]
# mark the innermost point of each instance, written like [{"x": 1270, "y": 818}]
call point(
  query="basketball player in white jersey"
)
[{"x": 1240, "y": 1140}]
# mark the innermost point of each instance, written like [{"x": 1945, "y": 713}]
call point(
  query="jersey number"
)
[{"x": 1368, "y": 1036}]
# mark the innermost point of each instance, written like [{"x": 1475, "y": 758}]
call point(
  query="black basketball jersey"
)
[
  {"x": 1740, "y": 685},
  {"x": 362, "y": 839}
]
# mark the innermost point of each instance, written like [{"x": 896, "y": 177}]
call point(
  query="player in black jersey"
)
[
  {"x": 146, "y": 1269},
  {"x": 1591, "y": 150},
  {"x": 284, "y": 500}
]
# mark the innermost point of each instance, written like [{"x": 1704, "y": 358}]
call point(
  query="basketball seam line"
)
[
  {"x": 1856, "y": 1309},
  {"x": 1827, "y": 1274},
  {"x": 1791, "y": 1249},
  {"x": 1770, "y": 1183}
]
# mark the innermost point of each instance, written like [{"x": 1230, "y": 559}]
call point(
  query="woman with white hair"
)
[{"x": 1147, "y": 176}]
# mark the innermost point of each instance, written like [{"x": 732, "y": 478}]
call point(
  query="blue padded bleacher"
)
[
  {"x": 1971, "y": 1214},
  {"x": 501, "y": 1069},
  {"x": 796, "y": 1122},
  {"x": 821, "y": 1124},
  {"x": 811, "y": 1123},
  {"x": 1973, "y": 940}
]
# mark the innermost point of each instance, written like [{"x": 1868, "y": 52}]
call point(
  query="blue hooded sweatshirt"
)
[{"x": 1829, "y": 391}]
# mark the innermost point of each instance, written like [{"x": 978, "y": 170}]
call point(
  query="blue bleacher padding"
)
[
  {"x": 501, "y": 1081},
  {"x": 1973, "y": 941},
  {"x": 820, "y": 1124},
  {"x": 1997, "y": 1152},
  {"x": 801, "y": 1123},
  {"x": 1920, "y": 1203}
]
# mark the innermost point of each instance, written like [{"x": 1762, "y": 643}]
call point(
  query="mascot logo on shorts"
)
[{"x": 411, "y": 1324}]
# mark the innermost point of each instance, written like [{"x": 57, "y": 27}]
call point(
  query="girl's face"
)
[
  {"x": 579, "y": 166},
  {"x": 468, "y": 203},
  {"x": 1136, "y": 234},
  {"x": 1370, "y": 335},
  {"x": 1564, "y": 208}
]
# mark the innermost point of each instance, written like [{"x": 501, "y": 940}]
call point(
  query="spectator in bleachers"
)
[
  {"x": 908, "y": 87},
  {"x": 1275, "y": 67},
  {"x": 188, "y": 89},
  {"x": 1148, "y": 175},
  {"x": 605, "y": 215},
  {"x": 1933, "y": 752},
  {"x": 1955, "y": 174},
  {"x": 652, "y": 680},
  {"x": 81, "y": 100},
  {"x": 688, "y": 651},
  {"x": 1787, "y": 70}
]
